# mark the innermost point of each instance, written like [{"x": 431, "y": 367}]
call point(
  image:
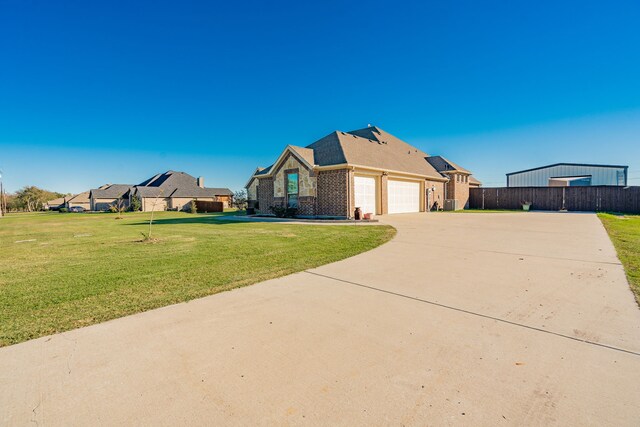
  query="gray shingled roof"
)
[
  {"x": 112, "y": 191},
  {"x": 177, "y": 184},
  {"x": 372, "y": 147},
  {"x": 264, "y": 171},
  {"x": 56, "y": 202},
  {"x": 149, "y": 191},
  {"x": 444, "y": 165}
]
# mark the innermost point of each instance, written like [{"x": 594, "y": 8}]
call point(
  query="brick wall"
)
[
  {"x": 458, "y": 188},
  {"x": 265, "y": 195},
  {"x": 435, "y": 197},
  {"x": 462, "y": 192},
  {"x": 333, "y": 193},
  {"x": 306, "y": 205}
]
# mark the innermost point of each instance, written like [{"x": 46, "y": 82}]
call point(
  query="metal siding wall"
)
[{"x": 540, "y": 177}]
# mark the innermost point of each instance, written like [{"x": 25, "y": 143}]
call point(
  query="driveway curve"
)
[{"x": 477, "y": 319}]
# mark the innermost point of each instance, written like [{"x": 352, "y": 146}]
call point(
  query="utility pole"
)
[{"x": 2, "y": 201}]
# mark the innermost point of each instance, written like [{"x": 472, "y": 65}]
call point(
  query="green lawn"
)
[
  {"x": 64, "y": 271},
  {"x": 624, "y": 231}
]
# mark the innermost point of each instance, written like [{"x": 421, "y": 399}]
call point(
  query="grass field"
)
[
  {"x": 624, "y": 231},
  {"x": 64, "y": 271}
]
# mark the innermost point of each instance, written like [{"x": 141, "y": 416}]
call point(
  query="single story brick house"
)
[
  {"x": 55, "y": 204},
  {"x": 170, "y": 190},
  {"x": 366, "y": 168},
  {"x": 109, "y": 195},
  {"x": 175, "y": 190}
]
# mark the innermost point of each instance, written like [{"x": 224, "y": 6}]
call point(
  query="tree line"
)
[{"x": 30, "y": 199}]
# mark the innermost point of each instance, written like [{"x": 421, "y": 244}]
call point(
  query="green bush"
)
[
  {"x": 136, "y": 204},
  {"x": 63, "y": 210},
  {"x": 283, "y": 211}
]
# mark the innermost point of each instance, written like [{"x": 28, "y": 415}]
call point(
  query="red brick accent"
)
[
  {"x": 265, "y": 195},
  {"x": 307, "y": 205},
  {"x": 333, "y": 193}
]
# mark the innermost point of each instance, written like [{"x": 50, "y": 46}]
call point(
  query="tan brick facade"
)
[
  {"x": 458, "y": 188},
  {"x": 335, "y": 195},
  {"x": 434, "y": 195}
]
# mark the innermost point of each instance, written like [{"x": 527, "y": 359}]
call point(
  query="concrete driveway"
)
[{"x": 475, "y": 319}]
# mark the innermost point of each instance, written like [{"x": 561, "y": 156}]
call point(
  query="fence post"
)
[{"x": 483, "y": 199}]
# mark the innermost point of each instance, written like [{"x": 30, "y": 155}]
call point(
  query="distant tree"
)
[
  {"x": 118, "y": 207},
  {"x": 11, "y": 203},
  {"x": 136, "y": 204},
  {"x": 147, "y": 237},
  {"x": 240, "y": 199},
  {"x": 32, "y": 198}
]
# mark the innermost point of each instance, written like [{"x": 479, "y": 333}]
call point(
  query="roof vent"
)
[{"x": 342, "y": 133}]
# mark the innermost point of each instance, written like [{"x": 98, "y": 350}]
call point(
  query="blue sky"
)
[{"x": 96, "y": 92}]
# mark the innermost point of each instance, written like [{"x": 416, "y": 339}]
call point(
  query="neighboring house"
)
[
  {"x": 366, "y": 168},
  {"x": 55, "y": 204},
  {"x": 569, "y": 175},
  {"x": 110, "y": 195},
  {"x": 81, "y": 200},
  {"x": 170, "y": 190},
  {"x": 175, "y": 190}
]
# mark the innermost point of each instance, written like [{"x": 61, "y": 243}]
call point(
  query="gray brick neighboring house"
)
[
  {"x": 170, "y": 190},
  {"x": 110, "y": 194},
  {"x": 366, "y": 168}
]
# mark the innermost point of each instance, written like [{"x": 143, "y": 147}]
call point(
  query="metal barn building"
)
[{"x": 569, "y": 175}]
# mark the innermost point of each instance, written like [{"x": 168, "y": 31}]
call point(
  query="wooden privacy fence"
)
[
  {"x": 204, "y": 206},
  {"x": 596, "y": 198}
]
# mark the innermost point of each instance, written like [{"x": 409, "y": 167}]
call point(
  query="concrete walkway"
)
[{"x": 474, "y": 319}]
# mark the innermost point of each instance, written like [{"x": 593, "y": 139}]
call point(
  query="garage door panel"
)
[
  {"x": 403, "y": 196},
  {"x": 365, "y": 194}
]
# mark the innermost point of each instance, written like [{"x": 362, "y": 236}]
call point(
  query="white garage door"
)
[
  {"x": 365, "y": 194},
  {"x": 403, "y": 196}
]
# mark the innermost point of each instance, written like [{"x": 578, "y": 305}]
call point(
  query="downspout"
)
[{"x": 445, "y": 188}]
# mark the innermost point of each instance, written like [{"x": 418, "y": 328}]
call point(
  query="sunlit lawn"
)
[
  {"x": 624, "y": 231},
  {"x": 63, "y": 271}
]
